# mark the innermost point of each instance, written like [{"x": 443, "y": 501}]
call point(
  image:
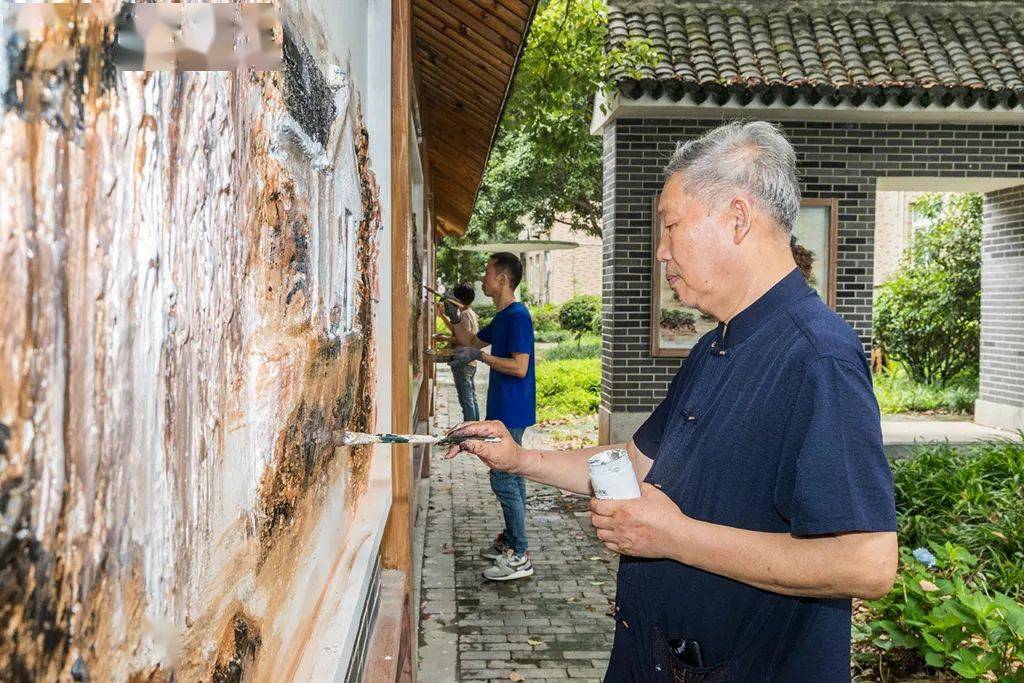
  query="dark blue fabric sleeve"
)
[
  {"x": 520, "y": 333},
  {"x": 486, "y": 334},
  {"x": 834, "y": 476}
]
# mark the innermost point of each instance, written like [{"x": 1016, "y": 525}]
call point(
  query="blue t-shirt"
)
[
  {"x": 512, "y": 400},
  {"x": 774, "y": 428}
]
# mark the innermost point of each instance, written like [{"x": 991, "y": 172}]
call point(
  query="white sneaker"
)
[
  {"x": 509, "y": 567},
  {"x": 496, "y": 549}
]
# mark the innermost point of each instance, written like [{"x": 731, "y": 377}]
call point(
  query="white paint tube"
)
[{"x": 612, "y": 475}]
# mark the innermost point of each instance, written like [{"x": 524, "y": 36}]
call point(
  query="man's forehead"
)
[{"x": 672, "y": 194}]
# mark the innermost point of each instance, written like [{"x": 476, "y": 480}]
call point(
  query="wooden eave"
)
[{"x": 465, "y": 54}]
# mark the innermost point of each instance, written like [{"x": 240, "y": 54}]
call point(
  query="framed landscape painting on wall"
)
[{"x": 675, "y": 327}]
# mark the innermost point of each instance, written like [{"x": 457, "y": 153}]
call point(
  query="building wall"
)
[
  {"x": 841, "y": 160},
  {"x": 894, "y": 229},
  {"x": 189, "y": 263},
  {"x": 556, "y": 276},
  {"x": 1001, "y": 389}
]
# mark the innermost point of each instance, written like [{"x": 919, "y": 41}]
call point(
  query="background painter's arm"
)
[{"x": 462, "y": 336}]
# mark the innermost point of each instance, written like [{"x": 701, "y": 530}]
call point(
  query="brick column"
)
[{"x": 1001, "y": 387}]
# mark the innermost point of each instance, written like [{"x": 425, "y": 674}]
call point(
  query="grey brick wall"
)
[
  {"x": 1002, "y": 298},
  {"x": 835, "y": 159}
]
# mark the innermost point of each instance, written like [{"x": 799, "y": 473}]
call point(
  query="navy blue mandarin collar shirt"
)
[{"x": 770, "y": 425}]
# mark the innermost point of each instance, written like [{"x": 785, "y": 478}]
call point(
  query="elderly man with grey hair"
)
[{"x": 767, "y": 501}]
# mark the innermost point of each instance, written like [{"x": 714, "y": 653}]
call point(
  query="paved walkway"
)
[
  {"x": 553, "y": 626},
  {"x": 901, "y": 432}
]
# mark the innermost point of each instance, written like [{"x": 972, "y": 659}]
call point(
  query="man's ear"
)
[{"x": 742, "y": 218}]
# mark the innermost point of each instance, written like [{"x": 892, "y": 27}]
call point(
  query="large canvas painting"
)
[{"x": 675, "y": 327}]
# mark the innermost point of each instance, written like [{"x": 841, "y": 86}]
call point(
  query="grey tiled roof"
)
[{"x": 798, "y": 52}]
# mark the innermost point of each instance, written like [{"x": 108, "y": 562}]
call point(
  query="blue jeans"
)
[
  {"x": 511, "y": 492},
  {"x": 464, "y": 387}
]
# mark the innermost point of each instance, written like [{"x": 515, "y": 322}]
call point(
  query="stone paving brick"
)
[{"x": 553, "y": 626}]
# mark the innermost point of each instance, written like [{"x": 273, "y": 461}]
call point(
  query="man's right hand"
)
[{"x": 506, "y": 456}]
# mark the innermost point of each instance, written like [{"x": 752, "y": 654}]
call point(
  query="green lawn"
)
[{"x": 897, "y": 393}]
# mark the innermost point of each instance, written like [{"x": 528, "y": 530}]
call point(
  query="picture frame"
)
[{"x": 675, "y": 328}]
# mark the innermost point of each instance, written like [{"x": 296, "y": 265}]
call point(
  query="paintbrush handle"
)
[{"x": 360, "y": 439}]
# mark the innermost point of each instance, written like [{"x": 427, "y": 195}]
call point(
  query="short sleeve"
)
[
  {"x": 520, "y": 334},
  {"x": 834, "y": 476},
  {"x": 486, "y": 333},
  {"x": 648, "y": 437}
]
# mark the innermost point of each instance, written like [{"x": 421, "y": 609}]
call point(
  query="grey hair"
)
[{"x": 754, "y": 157}]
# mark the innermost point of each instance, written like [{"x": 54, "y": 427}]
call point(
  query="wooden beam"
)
[
  {"x": 452, "y": 170},
  {"x": 511, "y": 30},
  {"x": 437, "y": 104},
  {"x": 455, "y": 203},
  {"x": 467, "y": 131},
  {"x": 464, "y": 86},
  {"x": 514, "y": 15},
  {"x": 396, "y": 551},
  {"x": 459, "y": 99},
  {"x": 384, "y": 651},
  {"x": 502, "y": 38},
  {"x": 444, "y": 59},
  {"x": 467, "y": 161},
  {"x": 454, "y": 191},
  {"x": 453, "y": 214},
  {"x": 453, "y": 54},
  {"x": 427, "y": 35},
  {"x": 449, "y": 29},
  {"x": 520, "y": 8}
]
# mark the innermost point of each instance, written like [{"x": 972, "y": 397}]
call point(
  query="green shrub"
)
[
  {"x": 946, "y": 614},
  {"x": 581, "y": 314},
  {"x": 928, "y": 315},
  {"x": 568, "y": 387},
  {"x": 545, "y": 318},
  {"x": 898, "y": 393},
  {"x": 679, "y": 320},
  {"x": 572, "y": 352},
  {"x": 485, "y": 313},
  {"x": 553, "y": 336},
  {"x": 972, "y": 497}
]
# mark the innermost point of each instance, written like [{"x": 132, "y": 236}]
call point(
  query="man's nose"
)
[{"x": 663, "y": 253}]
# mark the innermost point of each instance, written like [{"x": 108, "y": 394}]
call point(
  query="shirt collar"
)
[{"x": 787, "y": 290}]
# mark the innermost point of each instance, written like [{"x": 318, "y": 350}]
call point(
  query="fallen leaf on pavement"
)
[
  {"x": 515, "y": 676},
  {"x": 533, "y": 642}
]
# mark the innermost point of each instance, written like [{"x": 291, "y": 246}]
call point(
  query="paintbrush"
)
[
  {"x": 360, "y": 439},
  {"x": 433, "y": 291}
]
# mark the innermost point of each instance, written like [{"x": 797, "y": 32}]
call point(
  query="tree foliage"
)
[
  {"x": 928, "y": 316},
  {"x": 546, "y": 165},
  {"x": 581, "y": 314}
]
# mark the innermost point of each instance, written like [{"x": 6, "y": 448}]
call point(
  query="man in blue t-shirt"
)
[{"x": 511, "y": 400}]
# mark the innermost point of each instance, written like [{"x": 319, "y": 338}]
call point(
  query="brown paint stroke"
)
[{"x": 168, "y": 358}]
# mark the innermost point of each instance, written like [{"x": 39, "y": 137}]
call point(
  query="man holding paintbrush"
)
[
  {"x": 511, "y": 400},
  {"x": 461, "y": 315},
  {"x": 767, "y": 501}
]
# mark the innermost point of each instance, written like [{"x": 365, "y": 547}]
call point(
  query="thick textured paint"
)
[{"x": 186, "y": 273}]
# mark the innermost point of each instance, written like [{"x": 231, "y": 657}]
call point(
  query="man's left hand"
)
[
  {"x": 639, "y": 527},
  {"x": 452, "y": 312},
  {"x": 465, "y": 354}
]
